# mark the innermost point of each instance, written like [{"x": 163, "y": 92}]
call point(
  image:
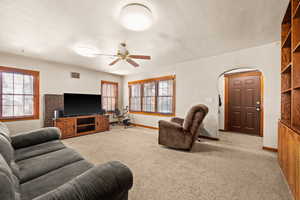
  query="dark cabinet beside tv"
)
[{"x": 82, "y": 125}]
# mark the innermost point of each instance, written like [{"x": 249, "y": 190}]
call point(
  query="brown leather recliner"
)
[{"x": 182, "y": 133}]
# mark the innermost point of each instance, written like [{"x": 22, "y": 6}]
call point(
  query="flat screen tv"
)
[{"x": 81, "y": 104}]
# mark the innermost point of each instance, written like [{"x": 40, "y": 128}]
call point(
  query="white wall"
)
[
  {"x": 197, "y": 82},
  {"x": 221, "y": 111},
  {"x": 55, "y": 79}
]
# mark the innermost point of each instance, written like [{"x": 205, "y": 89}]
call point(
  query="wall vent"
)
[{"x": 75, "y": 75}]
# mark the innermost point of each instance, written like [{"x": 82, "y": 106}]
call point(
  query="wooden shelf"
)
[
  {"x": 296, "y": 87},
  {"x": 297, "y": 48},
  {"x": 84, "y": 125},
  {"x": 297, "y": 11},
  {"x": 286, "y": 90},
  {"x": 286, "y": 68},
  {"x": 296, "y": 128},
  {"x": 286, "y": 122},
  {"x": 287, "y": 41}
]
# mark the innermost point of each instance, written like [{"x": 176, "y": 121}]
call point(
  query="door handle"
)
[{"x": 257, "y": 109}]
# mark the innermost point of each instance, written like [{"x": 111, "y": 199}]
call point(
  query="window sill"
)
[
  {"x": 153, "y": 114},
  {"x": 19, "y": 119}
]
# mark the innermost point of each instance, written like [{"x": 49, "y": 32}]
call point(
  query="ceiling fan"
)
[{"x": 123, "y": 54}]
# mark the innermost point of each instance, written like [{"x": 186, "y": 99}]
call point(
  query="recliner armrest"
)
[
  {"x": 110, "y": 181},
  {"x": 169, "y": 125},
  {"x": 35, "y": 137},
  {"x": 177, "y": 120}
]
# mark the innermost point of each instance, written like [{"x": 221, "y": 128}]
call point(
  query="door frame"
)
[{"x": 226, "y": 97}]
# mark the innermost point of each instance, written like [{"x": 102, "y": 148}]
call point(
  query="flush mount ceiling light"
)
[
  {"x": 86, "y": 51},
  {"x": 136, "y": 17}
]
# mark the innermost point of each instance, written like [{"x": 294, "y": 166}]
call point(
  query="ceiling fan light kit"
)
[{"x": 123, "y": 54}]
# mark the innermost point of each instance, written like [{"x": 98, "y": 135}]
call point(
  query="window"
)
[
  {"x": 153, "y": 96},
  {"x": 109, "y": 92},
  {"x": 165, "y": 96},
  {"x": 149, "y": 97},
  {"x": 135, "y": 97},
  {"x": 19, "y": 94}
]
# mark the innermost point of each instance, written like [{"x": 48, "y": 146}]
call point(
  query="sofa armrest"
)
[
  {"x": 110, "y": 181},
  {"x": 35, "y": 137},
  {"x": 177, "y": 120}
]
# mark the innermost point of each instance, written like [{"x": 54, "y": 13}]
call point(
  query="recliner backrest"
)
[{"x": 194, "y": 118}]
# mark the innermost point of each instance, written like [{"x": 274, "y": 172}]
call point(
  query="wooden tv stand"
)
[{"x": 82, "y": 125}]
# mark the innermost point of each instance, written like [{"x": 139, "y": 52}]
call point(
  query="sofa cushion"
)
[
  {"x": 9, "y": 183},
  {"x": 4, "y": 131},
  {"x": 39, "y": 165},
  {"x": 37, "y": 150},
  {"x": 53, "y": 179},
  {"x": 35, "y": 137},
  {"x": 6, "y": 150}
]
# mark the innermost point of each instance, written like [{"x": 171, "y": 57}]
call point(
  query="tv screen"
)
[{"x": 81, "y": 104}]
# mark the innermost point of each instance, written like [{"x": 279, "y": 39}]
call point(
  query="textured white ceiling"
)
[{"x": 182, "y": 30}]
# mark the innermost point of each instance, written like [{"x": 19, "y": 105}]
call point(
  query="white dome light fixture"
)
[{"x": 136, "y": 17}]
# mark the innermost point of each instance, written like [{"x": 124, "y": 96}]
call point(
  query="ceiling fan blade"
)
[
  {"x": 140, "y": 57},
  {"x": 130, "y": 61},
  {"x": 115, "y": 61},
  {"x": 101, "y": 54}
]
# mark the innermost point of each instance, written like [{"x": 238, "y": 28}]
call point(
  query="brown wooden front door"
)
[{"x": 244, "y": 102}]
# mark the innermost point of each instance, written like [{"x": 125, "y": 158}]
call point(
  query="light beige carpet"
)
[{"x": 234, "y": 168}]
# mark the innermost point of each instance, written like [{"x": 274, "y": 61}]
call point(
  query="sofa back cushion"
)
[
  {"x": 6, "y": 150},
  {"x": 9, "y": 184},
  {"x": 4, "y": 131}
]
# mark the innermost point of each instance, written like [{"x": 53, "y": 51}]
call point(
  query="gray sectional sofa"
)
[{"x": 37, "y": 165}]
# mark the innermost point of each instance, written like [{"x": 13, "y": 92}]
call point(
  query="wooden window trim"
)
[
  {"x": 36, "y": 101},
  {"x": 117, "y": 93},
  {"x": 163, "y": 78},
  {"x": 156, "y": 80}
]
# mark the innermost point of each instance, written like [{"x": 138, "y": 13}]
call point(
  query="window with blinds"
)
[
  {"x": 153, "y": 96},
  {"x": 165, "y": 96},
  {"x": 109, "y": 92},
  {"x": 135, "y": 97},
  {"x": 19, "y": 94},
  {"x": 149, "y": 97}
]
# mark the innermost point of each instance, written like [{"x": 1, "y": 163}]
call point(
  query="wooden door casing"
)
[{"x": 244, "y": 98}]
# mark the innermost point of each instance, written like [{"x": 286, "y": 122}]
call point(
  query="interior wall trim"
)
[
  {"x": 145, "y": 126},
  {"x": 270, "y": 149}
]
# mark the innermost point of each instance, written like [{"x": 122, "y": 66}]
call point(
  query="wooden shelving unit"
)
[
  {"x": 287, "y": 41},
  {"x": 288, "y": 67},
  {"x": 82, "y": 125},
  {"x": 289, "y": 126},
  {"x": 296, "y": 9}
]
